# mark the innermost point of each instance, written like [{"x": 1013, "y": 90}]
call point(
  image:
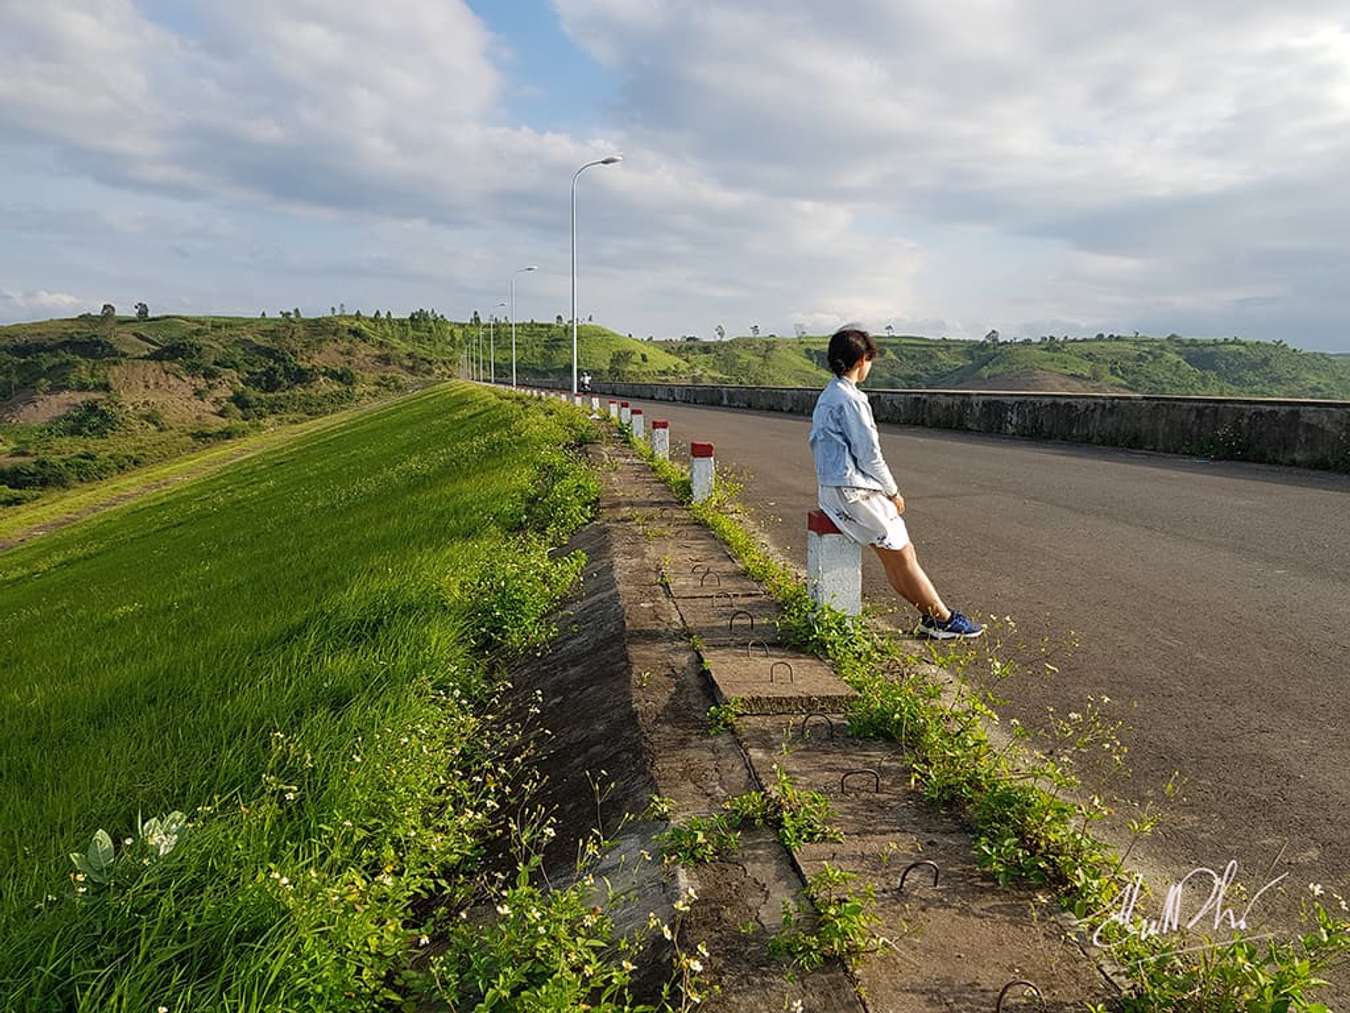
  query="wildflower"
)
[
  {"x": 165, "y": 1009},
  {"x": 665, "y": 931},
  {"x": 1316, "y": 889},
  {"x": 1074, "y": 716},
  {"x": 1105, "y": 698},
  {"x": 422, "y": 940},
  {"x": 629, "y": 966},
  {"x": 696, "y": 966},
  {"x": 797, "y": 1006},
  {"x": 127, "y": 840},
  {"x": 503, "y": 910}
]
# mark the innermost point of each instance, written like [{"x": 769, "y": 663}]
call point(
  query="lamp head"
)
[{"x": 611, "y": 160}]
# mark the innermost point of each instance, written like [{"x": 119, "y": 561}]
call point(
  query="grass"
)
[{"x": 261, "y": 709}]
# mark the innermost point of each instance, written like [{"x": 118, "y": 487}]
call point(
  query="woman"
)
[{"x": 857, "y": 491}]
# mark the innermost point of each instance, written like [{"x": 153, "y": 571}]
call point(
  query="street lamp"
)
[
  {"x": 520, "y": 270},
  {"x": 599, "y": 161},
  {"x": 492, "y": 345}
]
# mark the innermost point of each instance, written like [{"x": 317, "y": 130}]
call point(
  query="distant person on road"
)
[
  {"x": 586, "y": 381},
  {"x": 857, "y": 491}
]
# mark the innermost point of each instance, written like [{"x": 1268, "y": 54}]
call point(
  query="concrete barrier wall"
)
[{"x": 1308, "y": 434}]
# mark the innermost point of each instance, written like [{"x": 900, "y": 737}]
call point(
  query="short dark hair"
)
[{"x": 847, "y": 346}]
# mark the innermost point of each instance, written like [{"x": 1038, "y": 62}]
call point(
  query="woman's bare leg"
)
[{"x": 904, "y": 573}]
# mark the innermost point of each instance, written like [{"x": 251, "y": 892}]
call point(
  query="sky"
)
[{"x": 946, "y": 167}]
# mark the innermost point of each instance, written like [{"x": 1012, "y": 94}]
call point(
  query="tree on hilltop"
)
[
  {"x": 754, "y": 330},
  {"x": 142, "y": 311},
  {"x": 109, "y": 311}
]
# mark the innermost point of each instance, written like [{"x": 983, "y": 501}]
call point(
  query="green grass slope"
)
[
  {"x": 544, "y": 351},
  {"x": 295, "y": 653}
]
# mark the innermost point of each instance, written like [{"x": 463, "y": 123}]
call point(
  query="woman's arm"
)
[{"x": 860, "y": 429}]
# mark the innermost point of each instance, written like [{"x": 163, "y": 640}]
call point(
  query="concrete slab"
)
[
  {"x": 783, "y": 684},
  {"x": 711, "y": 619}
]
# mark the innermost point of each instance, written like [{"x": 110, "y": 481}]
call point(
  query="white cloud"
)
[
  {"x": 968, "y": 164},
  {"x": 42, "y": 301}
]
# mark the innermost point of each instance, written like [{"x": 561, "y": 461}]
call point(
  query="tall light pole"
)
[
  {"x": 480, "y": 349},
  {"x": 492, "y": 344},
  {"x": 599, "y": 161},
  {"x": 519, "y": 270}
]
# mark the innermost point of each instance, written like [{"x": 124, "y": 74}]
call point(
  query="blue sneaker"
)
[{"x": 957, "y": 626}]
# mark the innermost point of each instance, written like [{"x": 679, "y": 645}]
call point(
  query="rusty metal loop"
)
[
  {"x": 731, "y": 623},
  {"x": 914, "y": 865},
  {"x": 704, "y": 579},
  {"x": 750, "y": 646},
  {"x": 698, "y": 566},
  {"x": 876, "y": 778},
  {"x": 1014, "y": 984},
  {"x": 792, "y": 677},
  {"x": 816, "y": 714}
]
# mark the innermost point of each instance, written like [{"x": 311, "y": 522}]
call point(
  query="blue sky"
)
[{"x": 1068, "y": 168}]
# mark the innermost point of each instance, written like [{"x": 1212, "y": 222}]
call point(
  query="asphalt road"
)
[{"x": 1211, "y": 603}]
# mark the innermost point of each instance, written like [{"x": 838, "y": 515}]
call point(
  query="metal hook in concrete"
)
[
  {"x": 876, "y": 778},
  {"x": 704, "y": 579},
  {"x": 750, "y": 646},
  {"x": 1014, "y": 984},
  {"x": 817, "y": 714},
  {"x": 731, "y": 623},
  {"x": 699, "y": 566},
  {"x": 792, "y": 677},
  {"x": 914, "y": 865}
]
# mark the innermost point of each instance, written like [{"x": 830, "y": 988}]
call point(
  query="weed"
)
[
  {"x": 722, "y": 716},
  {"x": 829, "y": 923}
]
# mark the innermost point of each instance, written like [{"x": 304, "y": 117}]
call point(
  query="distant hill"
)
[{"x": 1173, "y": 365}]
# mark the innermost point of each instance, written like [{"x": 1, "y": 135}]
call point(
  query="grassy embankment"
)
[
  {"x": 298, "y": 652},
  {"x": 84, "y": 399}
]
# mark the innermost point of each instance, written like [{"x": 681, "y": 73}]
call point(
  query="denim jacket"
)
[{"x": 844, "y": 440}]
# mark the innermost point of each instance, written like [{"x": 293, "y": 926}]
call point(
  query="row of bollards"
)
[{"x": 702, "y": 469}]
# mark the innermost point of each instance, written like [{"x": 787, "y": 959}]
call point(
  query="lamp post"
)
[
  {"x": 480, "y": 349},
  {"x": 520, "y": 270},
  {"x": 610, "y": 160},
  {"x": 492, "y": 344}
]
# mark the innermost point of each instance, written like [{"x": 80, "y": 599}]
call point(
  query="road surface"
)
[{"x": 1211, "y": 602}]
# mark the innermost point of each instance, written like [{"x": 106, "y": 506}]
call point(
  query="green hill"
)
[{"x": 1173, "y": 365}]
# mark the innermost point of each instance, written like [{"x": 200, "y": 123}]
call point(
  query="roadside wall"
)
[{"x": 1308, "y": 434}]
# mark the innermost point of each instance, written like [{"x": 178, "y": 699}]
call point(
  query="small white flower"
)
[
  {"x": 1316, "y": 889},
  {"x": 503, "y": 910},
  {"x": 665, "y": 931},
  {"x": 629, "y": 966},
  {"x": 1105, "y": 698},
  {"x": 127, "y": 840},
  {"x": 422, "y": 940},
  {"x": 696, "y": 966},
  {"x": 165, "y": 1009}
]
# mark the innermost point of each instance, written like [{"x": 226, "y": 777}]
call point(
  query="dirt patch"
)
[
  {"x": 31, "y": 409},
  {"x": 146, "y": 385}
]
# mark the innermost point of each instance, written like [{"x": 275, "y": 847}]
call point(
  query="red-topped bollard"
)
[
  {"x": 625, "y": 414},
  {"x": 833, "y": 565},
  {"x": 661, "y": 438},
  {"x": 701, "y": 470},
  {"x": 637, "y": 420},
  {"x": 614, "y": 410}
]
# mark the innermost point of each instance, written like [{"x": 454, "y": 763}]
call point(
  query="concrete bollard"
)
[
  {"x": 614, "y": 410},
  {"x": 576, "y": 398},
  {"x": 833, "y": 565},
  {"x": 661, "y": 439},
  {"x": 595, "y": 403},
  {"x": 637, "y": 420},
  {"x": 625, "y": 414},
  {"x": 701, "y": 470}
]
